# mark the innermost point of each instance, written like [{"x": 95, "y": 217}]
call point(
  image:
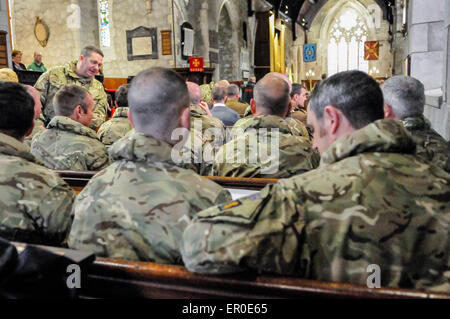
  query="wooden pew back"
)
[{"x": 131, "y": 279}]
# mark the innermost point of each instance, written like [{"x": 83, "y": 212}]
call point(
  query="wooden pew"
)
[
  {"x": 131, "y": 279},
  {"x": 78, "y": 179}
]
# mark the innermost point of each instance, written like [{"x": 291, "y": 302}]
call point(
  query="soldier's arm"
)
[
  {"x": 100, "y": 108},
  {"x": 98, "y": 158},
  {"x": 42, "y": 85},
  {"x": 258, "y": 231},
  {"x": 55, "y": 209}
]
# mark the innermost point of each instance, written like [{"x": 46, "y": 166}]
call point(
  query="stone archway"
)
[{"x": 226, "y": 46}]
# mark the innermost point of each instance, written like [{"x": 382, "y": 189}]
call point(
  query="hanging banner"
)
[
  {"x": 196, "y": 65},
  {"x": 309, "y": 52},
  {"x": 371, "y": 50}
]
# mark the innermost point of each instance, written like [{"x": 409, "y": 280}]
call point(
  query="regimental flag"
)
[
  {"x": 371, "y": 50},
  {"x": 309, "y": 52},
  {"x": 196, "y": 65}
]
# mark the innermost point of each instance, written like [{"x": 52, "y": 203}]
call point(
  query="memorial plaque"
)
[
  {"x": 166, "y": 42},
  {"x": 213, "y": 39},
  {"x": 213, "y": 57}
]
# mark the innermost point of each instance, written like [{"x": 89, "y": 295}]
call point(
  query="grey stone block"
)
[{"x": 427, "y": 67}]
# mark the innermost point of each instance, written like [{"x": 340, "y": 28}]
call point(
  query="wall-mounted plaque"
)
[
  {"x": 213, "y": 57},
  {"x": 166, "y": 42},
  {"x": 142, "y": 43},
  {"x": 41, "y": 32}
]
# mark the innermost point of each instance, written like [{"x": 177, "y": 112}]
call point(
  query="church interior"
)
[{"x": 208, "y": 41}]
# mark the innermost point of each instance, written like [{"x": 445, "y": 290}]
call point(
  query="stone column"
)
[{"x": 204, "y": 29}]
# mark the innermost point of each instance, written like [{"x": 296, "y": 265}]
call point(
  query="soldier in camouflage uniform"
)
[
  {"x": 265, "y": 146},
  {"x": 38, "y": 118},
  {"x": 68, "y": 142},
  {"x": 35, "y": 203},
  {"x": 139, "y": 206},
  {"x": 119, "y": 125},
  {"x": 79, "y": 72},
  {"x": 206, "y": 131},
  {"x": 371, "y": 201},
  {"x": 404, "y": 100}
]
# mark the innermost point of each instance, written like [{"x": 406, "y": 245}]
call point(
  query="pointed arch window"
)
[
  {"x": 346, "y": 39},
  {"x": 105, "y": 36}
]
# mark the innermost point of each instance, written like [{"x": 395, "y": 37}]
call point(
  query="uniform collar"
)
[
  {"x": 139, "y": 147},
  {"x": 12, "y": 147},
  {"x": 121, "y": 112},
  {"x": 66, "y": 124},
  {"x": 265, "y": 121},
  {"x": 385, "y": 136}
]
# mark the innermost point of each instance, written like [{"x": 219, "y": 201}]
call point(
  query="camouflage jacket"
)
[
  {"x": 371, "y": 201},
  {"x": 430, "y": 145},
  {"x": 296, "y": 127},
  {"x": 207, "y": 134},
  {"x": 67, "y": 144},
  {"x": 38, "y": 128},
  {"x": 265, "y": 148},
  {"x": 116, "y": 128},
  {"x": 35, "y": 203},
  {"x": 50, "y": 82},
  {"x": 239, "y": 107},
  {"x": 138, "y": 207}
]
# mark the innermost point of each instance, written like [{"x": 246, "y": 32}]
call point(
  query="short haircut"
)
[
  {"x": 156, "y": 98},
  {"x": 16, "y": 52},
  {"x": 195, "y": 93},
  {"x": 232, "y": 90},
  {"x": 218, "y": 93},
  {"x": 272, "y": 94},
  {"x": 323, "y": 76},
  {"x": 122, "y": 95},
  {"x": 405, "y": 94},
  {"x": 87, "y": 51},
  {"x": 16, "y": 109},
  {"x": 296, "y": 89},
  {"x": 68, "y": 98},
  {"x": 8, "y": 75},
  {"x": 357, "y": 95}
]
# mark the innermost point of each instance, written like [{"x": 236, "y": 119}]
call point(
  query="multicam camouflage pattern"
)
[
  {"x": 139, "y": 206},
  {"x": 206, "y": 91},
  {"x": 299, "y": 114},
  {"x": 67, "y": 144},
  {"x": 50, "y": 82},
  {"x": 206, "y": 131},
  {"x": 116, "y": 128},
  {"x": 35, "y": 203},
  {"x": 370, "y": 202},
  {"x": 430, "y": 146},
  {"x": 297, "y": 128},
  {"x": 293, "y": 155},
  {"x": 239, "y": 107},
  {"x": 38, "y": 128}
]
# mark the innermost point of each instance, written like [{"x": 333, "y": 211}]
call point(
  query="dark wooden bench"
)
[
  {"x": 78, "y": 179},
  {"x": 129, "y": 279}
]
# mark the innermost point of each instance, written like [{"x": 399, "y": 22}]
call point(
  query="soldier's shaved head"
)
[
  {"x": 37, "y": 100},
  {"x": 195, "y": 93},
  {"x": 157, "y": 98},
  {"x": 271, "y": 96},
  {"x": 282, "y": 77}
]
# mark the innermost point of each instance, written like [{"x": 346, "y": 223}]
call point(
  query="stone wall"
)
[
  {"x": 428, "y": 47},
  {"x": 64, "y": 21}
]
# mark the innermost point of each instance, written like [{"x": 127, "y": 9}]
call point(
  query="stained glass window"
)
[
  {"x": 105, "y": 37},
  {"x": 346, "y": 43}
]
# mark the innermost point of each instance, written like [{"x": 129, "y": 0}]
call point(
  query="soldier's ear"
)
[
  {"x": 30, "y": 130},
  {"x": 388, "y": 111},
  {"x": 185, "y": 117},
  {"x": 253, "y": 106},
  {"x": 331, "y": 119},
  {"x": 130, "y": 118}
]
